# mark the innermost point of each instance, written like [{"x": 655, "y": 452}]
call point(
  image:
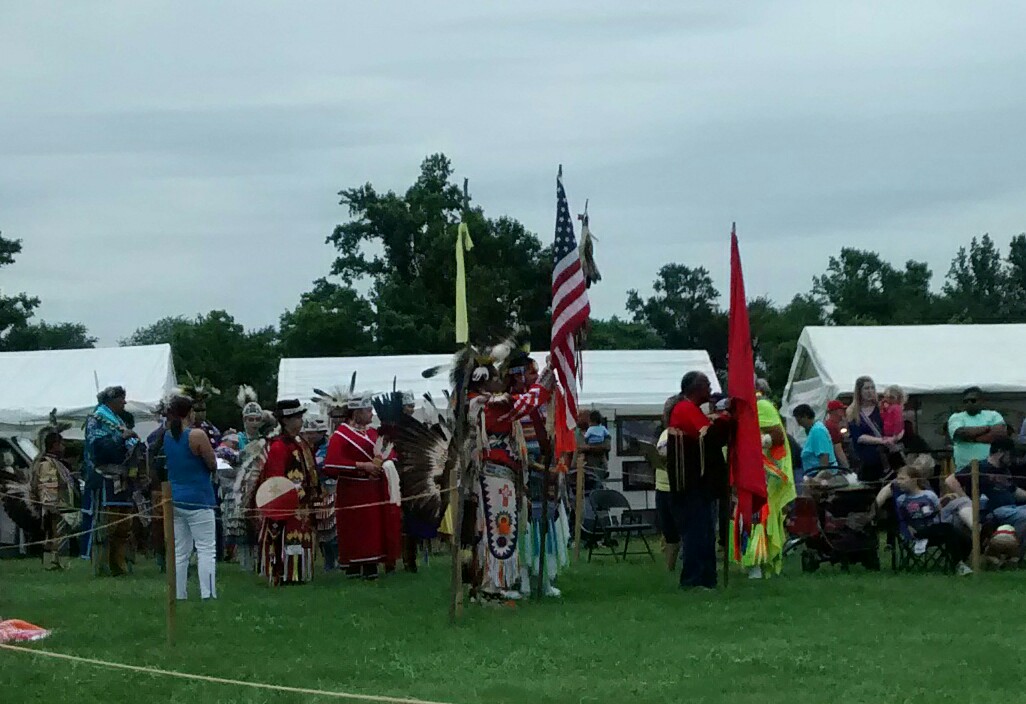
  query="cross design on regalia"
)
[{"x": 505, "y": 492}]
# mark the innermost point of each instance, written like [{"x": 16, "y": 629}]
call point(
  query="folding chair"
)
[
  {"x": 904, "y": 557},
  {"x": 601, "y": 528}
]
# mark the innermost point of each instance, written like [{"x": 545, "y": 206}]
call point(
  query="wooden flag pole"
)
[
  {"x": 975, "y": 487},
  {"x": 578, "y": 506},
  {"x": 459, "y": 469},
  {"x": 724, "y": 514},
  {"x": 169, "y": 561}
]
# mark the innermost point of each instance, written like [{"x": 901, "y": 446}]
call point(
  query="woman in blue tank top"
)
[{"x": 190, "y": 464}]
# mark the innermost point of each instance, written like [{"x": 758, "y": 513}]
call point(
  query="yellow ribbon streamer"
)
[{"x": 463, "y": 243}]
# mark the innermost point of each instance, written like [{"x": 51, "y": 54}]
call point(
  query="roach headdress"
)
[
  {"x": 199, "y": 389},
  {"x": 335, "y": 398},
  {"x": 247, "y": 399}
]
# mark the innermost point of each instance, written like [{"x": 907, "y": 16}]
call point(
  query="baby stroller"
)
[{"x": 834, "y": 525}]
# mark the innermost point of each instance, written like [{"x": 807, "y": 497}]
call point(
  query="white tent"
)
[
  {"x": 635, "y": 379},
  {"x": 932, "y": 363},
  {"x": 628, "y": 387},
  {"x": 34, "y": 383}
]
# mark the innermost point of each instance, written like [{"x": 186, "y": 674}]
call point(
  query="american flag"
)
[{"x": 570, "y": 306}]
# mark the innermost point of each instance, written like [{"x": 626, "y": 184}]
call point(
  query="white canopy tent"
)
[
  {"x": 639, "y": 380},
  {"x": 934, "y": 364},
  {"x": 629, "y": 388},
  {"x": 34, "y": 383}
]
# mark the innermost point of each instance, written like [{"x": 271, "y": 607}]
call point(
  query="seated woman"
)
[{"x": 919, "y": 511}]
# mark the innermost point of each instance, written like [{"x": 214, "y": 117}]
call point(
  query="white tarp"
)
[
  {"x": 617, "y": 379},
  {"x": 936, "y": 361},
  {"x": 34, "y": 383}
]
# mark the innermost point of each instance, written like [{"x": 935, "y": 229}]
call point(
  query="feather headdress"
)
[
  {"x": 472, "y": 363},
  {"x": 335, "y": 398},
  {"x": 514, "y": 352},
  {"x": 246, "y": 394},
  {"x": 586, "y": 249},
  {"x": 199, "y": 389},
  {"x": 248, "y": 401},
  {"x": 55, "y": 426}
]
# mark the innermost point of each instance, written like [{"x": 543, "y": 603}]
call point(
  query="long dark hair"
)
[{"x": 177, "y": 411}]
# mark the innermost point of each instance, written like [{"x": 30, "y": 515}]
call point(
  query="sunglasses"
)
[{"x": 971, "y": 401}]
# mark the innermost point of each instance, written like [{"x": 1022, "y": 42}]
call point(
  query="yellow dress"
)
[{"x": 766, "y": 544}]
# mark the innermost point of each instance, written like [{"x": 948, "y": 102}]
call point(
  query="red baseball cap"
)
[{"x": 835, "y": 406}]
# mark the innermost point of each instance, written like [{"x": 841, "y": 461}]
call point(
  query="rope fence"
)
[
  {"x": 156, "y": 672},
  {"x": 67, "y": 536}
]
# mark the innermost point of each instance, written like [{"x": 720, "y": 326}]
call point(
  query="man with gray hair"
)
[{"x": 697, "y": 476}]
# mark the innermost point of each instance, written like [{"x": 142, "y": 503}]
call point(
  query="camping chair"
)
[
  {"x": 903, "y": 555},
  {"x": 601, "y": 528}
]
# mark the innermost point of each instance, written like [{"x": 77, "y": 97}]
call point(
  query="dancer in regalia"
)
[
  {"x": 55, "y": 491},
  {"x": 286, "y": 546},
  {"x": 315, "y": 434},
  {"x": 500, "y": 462},
  {"x": 764, "y": 552},
  {"x": 240, "y": 483},
  {"x": 110, "y": 463},
  {"x": 367, "y": 495},
  {"x": 521, "y": 372}
]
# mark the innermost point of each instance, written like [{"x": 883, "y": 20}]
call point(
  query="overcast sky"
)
[{"x": 170, "y": 158}]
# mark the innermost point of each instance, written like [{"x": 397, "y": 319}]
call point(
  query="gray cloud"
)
[{"x": 166, "y": 158}]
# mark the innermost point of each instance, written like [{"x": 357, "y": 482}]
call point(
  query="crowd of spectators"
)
[{"x": 870, "y": 437}]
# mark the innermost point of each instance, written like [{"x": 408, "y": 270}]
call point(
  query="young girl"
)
[
  {"x": 892, "y": 413},
  {"x": 920, "y": 511}
]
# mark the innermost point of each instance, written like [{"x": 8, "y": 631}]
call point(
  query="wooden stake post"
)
[
  {"x": 169, "y": 559},
  {"x": 456, "y": 512},
  {"x": 578, "y": 506},
  {"x": 975, "y": 488}
]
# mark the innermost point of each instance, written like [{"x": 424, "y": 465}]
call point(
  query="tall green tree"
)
[
  {"x": 684, "y": 311},
  {"x": 860, "y": 288},
  {"x": 616, "y": 334},
  {"x": 331, "y": 320},
  {"x": 775, "y": 332},
  {"x": 215, "y": 346},
  {"x": 403, "y": 246},
  {"x": 1015, "y": 281},
  {"x": 15, "y": 310},
  {"x": 977, "y": 281},
  {"x": 48, "y": 336}
]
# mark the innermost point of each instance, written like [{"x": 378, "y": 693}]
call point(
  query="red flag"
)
[{"x": 746, "y": 472}]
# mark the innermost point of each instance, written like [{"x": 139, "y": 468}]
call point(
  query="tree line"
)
[{"x": 390, "y": 291}]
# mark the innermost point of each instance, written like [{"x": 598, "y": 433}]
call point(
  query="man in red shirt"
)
[
  {"x": 698, "y": 476},
  {"x": 837, "y": 424}
]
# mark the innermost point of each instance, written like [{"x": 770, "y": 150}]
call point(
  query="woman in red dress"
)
[
  {"x": 287, "y": 546},
  {"x": 367, "y": 501}
]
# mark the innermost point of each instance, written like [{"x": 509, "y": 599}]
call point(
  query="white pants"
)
[{"x": 195, "y": 527}]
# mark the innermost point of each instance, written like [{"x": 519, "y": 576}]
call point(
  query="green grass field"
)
[{"x": 621, "y": 633}]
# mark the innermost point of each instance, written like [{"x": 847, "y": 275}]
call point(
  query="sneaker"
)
[
  {"x": 963, "y": 569},
  {"x": 552, "y": 591},
  {"x": 755, "y": 573}
]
